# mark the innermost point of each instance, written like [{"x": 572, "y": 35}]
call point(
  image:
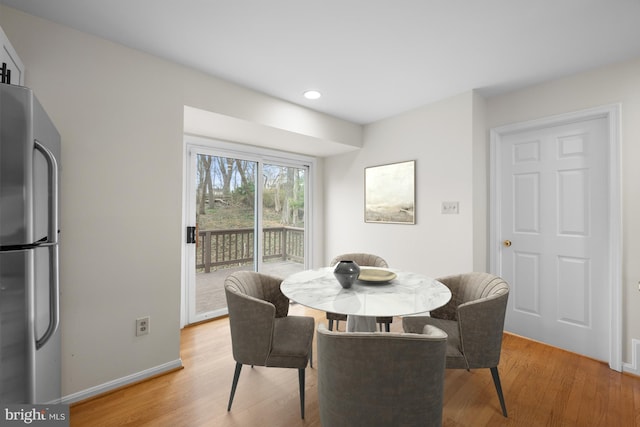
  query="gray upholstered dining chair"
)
[
  {"x": 383, "y": 379},
  {"x": 474, "y": 321},
  {"x": 366, "y": 260},
  {"x": 262, "y": 333}
]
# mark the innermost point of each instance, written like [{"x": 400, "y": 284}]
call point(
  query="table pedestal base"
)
[{"x": 361, "y": 323}]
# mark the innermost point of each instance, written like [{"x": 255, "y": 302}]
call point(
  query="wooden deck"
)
[{"x": 210, "y": 286}]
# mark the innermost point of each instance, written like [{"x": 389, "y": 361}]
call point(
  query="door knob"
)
[{"x": 507, "y": 243}]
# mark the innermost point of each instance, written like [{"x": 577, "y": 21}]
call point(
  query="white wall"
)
[
  {"x": 120, "y": 115},
  {"x": 440, "y": 137},
  {"x": 619, "y": 83}
]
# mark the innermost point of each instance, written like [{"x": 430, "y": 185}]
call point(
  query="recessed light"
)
[{"x": 312, "y": 94}]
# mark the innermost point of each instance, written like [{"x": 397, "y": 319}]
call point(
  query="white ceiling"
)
[{"x": 371, "y": 59}]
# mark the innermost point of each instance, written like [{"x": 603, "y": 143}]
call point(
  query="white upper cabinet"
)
[{"x": 9, "y": 57}]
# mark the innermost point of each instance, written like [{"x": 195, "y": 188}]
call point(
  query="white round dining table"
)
[{"x": 408, "y": 293}]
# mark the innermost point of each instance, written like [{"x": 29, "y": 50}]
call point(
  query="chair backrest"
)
[
  {"x": 478, "y": 303},
  {"x": 380, "y": 379},
  {"x": 469, "y": 287},
  {"x": 261, "y": 286},
  {"x": 254, "y": 301},
  {"x": 362, "y": 259}
]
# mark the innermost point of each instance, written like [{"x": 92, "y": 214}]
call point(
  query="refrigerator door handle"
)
[
  {"x": 54, "y": 301},
  {"x": 52, "y": 229},
  {"x": 52, "y": 240}
]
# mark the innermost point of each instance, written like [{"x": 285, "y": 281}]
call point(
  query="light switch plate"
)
[{"x": 450, "y": 208}]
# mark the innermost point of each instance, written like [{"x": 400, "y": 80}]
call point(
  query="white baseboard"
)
[
  {"x": 121, "y": 382},
  {"x": 634, "y": 366}
]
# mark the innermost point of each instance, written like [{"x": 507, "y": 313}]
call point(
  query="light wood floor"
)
[{"x": 543, "y": 386}]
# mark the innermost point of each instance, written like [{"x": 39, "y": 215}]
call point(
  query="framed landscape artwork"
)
[{"x": 389, "y": 193}]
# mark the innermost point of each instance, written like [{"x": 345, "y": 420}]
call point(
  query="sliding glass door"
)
[
  {"x": 243, "y": 212},
  {"x": 283, "y": 219}
]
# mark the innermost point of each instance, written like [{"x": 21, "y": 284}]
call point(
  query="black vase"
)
[{"x": 346, "y": 272}]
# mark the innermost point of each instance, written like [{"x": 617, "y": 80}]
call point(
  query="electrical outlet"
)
[
  {"x": 142, "y": 326},
  {"x": 450, "y": 208}
]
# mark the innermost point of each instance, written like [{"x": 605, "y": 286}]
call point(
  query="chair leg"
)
[
  {"x": 301, "y": 381},
  {"x": 331, "y": 324},
  {"x": 236, "y": 375},
  {"x": 387, "y": 326},
  {"x": 496, "y": 381}
]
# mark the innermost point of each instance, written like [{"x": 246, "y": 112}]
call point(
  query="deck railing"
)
[{"x": 230, "y": 247}]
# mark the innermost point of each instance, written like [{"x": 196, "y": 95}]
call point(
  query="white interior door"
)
[{"x": 554, "y": 230}]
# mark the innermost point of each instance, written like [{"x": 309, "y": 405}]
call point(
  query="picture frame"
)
[{"x": 389, "y": 193}]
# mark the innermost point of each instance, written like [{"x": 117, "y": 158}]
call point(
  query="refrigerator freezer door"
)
[
  {"x": 16, "y": 166},
  {"x": 27, "y": 375},
  {"x": 23, "y": 168},
  {"x": 13, "y": 327}
]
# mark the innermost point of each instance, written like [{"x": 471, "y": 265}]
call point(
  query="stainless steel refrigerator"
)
[{"x": 30, "y": 360}]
